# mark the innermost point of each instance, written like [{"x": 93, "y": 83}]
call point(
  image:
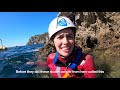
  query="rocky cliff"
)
[
  {"x": 38, "y": 39},
  {"x": 97, "y": 28}
]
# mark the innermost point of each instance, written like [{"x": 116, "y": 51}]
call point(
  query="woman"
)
[{"x": 69, "y": 61}]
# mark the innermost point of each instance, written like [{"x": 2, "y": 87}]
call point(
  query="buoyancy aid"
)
[
  {"x": 59, "y": 70},
  {"x": 64, "y": 72},
  {"x": 75, "y": 62},
  {"x": 71, "y": 65}
]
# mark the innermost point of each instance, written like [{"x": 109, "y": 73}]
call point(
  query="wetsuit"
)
[{"x": 84, "y": 68}]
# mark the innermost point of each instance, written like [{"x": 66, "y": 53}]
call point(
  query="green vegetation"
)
[{"x": 109, "y": 64}]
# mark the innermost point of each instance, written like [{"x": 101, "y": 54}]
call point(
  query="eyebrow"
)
[{"x": 66, "y": 33}]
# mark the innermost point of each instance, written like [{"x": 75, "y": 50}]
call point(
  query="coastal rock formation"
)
[{"x": 38, "y": 39}]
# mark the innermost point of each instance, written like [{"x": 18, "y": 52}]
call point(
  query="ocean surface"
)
[{"x": 13, "y": 61}]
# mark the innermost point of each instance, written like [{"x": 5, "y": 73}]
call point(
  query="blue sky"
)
[{"x": 17, "y": 27}]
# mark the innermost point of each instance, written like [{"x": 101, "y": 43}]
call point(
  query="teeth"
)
[{"x": 65, "y": 48}]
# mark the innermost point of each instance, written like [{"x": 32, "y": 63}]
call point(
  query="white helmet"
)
[{"x": 58, "y": 24}]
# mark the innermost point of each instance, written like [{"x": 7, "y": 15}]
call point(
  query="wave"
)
[{"x": 15, "y": 58}]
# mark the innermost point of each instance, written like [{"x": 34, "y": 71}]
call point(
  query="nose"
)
[{"x": 65, "y": 40}]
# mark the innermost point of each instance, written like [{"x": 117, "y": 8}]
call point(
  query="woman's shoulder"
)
[
  {"x": 51, "y": 55},
  {"x": 50, "y": 58}
]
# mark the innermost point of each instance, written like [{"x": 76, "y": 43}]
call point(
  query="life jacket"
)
[{"x": 64, "y": 72}]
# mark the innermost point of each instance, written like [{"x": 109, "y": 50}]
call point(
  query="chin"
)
[{"x": 65, "y": 54}]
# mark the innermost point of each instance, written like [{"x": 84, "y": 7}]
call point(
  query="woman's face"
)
[{"x": 64, "y": 42}]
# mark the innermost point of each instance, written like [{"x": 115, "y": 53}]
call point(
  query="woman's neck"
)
[{"x": 64, "y": 59}]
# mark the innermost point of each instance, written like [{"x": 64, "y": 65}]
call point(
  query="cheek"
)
[
  {"x": 56, "y": 43},
  {"x": 72, "y": 42}
]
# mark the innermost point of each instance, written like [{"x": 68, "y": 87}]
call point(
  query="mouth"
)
[{"x": 66, "y": 49}]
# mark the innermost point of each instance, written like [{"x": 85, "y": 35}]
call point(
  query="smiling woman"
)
[
  {"x": 69, "y": 57},
  {"x": 64, "y": 42}
]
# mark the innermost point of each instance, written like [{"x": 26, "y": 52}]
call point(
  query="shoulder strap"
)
[
  {"x": 77, "y": 59},
  {"x": 55, "y": 58}
]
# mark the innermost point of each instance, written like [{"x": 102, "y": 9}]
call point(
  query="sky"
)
[{"x": 16, "y": 28}]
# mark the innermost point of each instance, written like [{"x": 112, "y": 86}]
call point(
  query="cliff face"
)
[
  {"x": 38, "y": 39},
  {"x": 97, "y": 28}
]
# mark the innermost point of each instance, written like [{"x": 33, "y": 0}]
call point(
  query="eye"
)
[
  {"x": 70, "y": 36},
  {"x": 59, "y": 37}
]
